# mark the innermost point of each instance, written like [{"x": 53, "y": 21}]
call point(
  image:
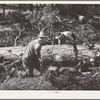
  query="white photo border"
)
[{"x": 49, "y": 94}]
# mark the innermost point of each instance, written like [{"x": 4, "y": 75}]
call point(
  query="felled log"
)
[
  {"x": 61, "y": 53},
  {"x": 12, "y": 52}
]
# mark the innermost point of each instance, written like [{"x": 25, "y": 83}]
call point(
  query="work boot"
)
[
  {"x": 41, "y": 72},
  {"x": 26, "y": 74}
]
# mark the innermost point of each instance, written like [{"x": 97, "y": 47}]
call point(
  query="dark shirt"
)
[{"x": 32, "y": 51}]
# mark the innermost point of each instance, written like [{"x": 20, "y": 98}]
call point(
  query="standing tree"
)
[
  {"x": 31, "y": 7},
  {"x": 37, "y": 8},
  {"x": 19, "y": 8},
  {"x": 3, "y": 5}
]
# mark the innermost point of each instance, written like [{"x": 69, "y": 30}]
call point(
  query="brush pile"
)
[
  {"x": 71, "y": 79},
  {"x": 80, "y": 75}
]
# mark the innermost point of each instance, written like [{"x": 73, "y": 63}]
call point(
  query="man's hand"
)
[{"x": 40, "y": 60}]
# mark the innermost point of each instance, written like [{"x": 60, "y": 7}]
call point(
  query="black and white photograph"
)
[{"x": 46, "y": 46}]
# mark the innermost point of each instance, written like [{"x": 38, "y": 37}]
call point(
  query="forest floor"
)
[
  {"x": 40, "y": 82},
  {"x": 64, "y": 53}
]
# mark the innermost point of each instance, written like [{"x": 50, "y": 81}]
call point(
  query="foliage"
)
[{"x": 34, "y": 21}]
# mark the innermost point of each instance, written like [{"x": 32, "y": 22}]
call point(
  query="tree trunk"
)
[
  {"x": 37, "y": 9},
  {"x": 31, "y": 7},
  {"x": 19, "y": 9},
  {"x": 3, "y": 10},
  {"x": 51, "y": 7}
]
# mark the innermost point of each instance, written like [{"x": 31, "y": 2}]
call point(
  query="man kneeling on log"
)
[{"x": 32, "y": 58}]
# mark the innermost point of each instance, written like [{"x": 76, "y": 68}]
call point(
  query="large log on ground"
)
[
  {"x": 12, "y": 52},
  {"x": 64, "y": 51},
  {"x": 58, "y": 49}
]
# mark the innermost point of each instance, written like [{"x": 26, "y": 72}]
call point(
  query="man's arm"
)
[
  {"x": 78, "y": 65},
  {"x": 37, "y": 51}
]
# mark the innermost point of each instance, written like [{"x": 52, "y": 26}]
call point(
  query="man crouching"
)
[{"x": 32, "y": 58}]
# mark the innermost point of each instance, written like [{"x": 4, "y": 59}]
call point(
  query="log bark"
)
[{"x": 62, "y": 50}]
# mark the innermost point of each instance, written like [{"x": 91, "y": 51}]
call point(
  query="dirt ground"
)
[{"x": 39, "y": 82}]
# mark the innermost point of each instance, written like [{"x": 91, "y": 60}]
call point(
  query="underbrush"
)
[{"x": 84, "y": 33}]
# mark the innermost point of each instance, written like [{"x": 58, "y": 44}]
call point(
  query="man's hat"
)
[{"x": 43, "y": 33}]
